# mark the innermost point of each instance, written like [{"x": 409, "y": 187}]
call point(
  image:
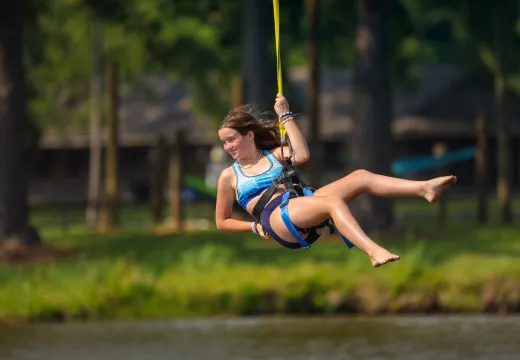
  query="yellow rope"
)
[{"x": 276, "y": 12}]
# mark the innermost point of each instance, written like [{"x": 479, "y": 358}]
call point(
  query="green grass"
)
[{"x": 133, "y": 274}]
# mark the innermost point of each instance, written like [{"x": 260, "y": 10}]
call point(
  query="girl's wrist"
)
[
  {"x": 285, "y": 115},
  {"x": 286, "y": 119},
  {"x": 253, "y": 228}
]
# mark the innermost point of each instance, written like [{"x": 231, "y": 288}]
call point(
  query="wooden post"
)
[
  {"x": 439, "y": 149},
  {"x": 109, "y": 219},
  {"x": 159, "y": 174},
  {"x": 481, "y": 169},
  {"x": 176, "y": 186}
]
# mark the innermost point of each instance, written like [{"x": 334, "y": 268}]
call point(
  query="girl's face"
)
[{"x": 235, "y": 144}]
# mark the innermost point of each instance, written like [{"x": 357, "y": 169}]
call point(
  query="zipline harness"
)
[{"x": 289, "y": 177}]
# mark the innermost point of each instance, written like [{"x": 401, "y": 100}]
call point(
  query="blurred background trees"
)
[{"x": 220, "y": 53}]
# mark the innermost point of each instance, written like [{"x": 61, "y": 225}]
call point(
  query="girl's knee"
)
[
  {"x": 360, "y": 174},
  {"x": 359, "y": 180}
]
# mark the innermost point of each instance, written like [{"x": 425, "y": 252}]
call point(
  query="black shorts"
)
[{"x": 264, "y": 221}]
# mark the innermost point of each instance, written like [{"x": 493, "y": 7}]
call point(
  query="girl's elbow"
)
[
  {"x": 302, "y": 158},
  {"x": 220, "y": 226}
]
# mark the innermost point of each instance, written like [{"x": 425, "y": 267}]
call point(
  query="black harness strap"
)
[
  {"x": 288, "y": 177},
  {"x": 293, "y": 184},
  {"x": 266, "y": 196}
]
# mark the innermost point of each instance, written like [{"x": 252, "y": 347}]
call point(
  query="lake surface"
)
[{"x": 330, "y": 338}]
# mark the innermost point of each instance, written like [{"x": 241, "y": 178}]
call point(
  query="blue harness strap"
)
[
  {"x": 289, "y": 224},
  {"x": 287, "y": 221}
]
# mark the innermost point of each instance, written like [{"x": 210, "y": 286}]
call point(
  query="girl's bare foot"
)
[
  {"x": 434, "y": 187},
  {"x": 382, "y": 256}
]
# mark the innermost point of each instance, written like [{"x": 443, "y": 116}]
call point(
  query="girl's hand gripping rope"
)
[{"x": 281, "y": 107}]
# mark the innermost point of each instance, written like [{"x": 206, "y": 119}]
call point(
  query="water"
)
[{"x": 332, "y": 338}]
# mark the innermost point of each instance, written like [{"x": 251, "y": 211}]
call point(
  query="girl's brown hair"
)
[{"x": 263, "y": 123}]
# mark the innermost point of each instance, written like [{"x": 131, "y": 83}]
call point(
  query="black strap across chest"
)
[{"x": 287, "y": 177}]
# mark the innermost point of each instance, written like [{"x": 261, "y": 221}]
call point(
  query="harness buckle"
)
[{"x": 285, "y": 199}]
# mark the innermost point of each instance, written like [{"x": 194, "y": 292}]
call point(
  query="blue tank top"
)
[{"x": 249, "y": 187}]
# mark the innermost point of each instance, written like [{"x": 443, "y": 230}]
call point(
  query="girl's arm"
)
[
  {"x": 301, "y": 152},
  {"x": 224, "y": 207}
]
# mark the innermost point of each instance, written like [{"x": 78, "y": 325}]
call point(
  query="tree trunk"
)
[
  {"x": 14, "y": 211},
  {"x": 503, "y": 138},
  {"x": 109, "y": 219},
  {"x": 94, "y": 180},
  {"x": 259, "y": 74},
  {"x": 371, "y": 141},
  {"x": 313, "y": 93}
]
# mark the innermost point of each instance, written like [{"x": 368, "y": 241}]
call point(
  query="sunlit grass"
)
[{"x": 132, "y": 274}]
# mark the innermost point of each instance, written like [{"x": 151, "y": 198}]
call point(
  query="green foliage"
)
[
  {"x": 59, "y": 58},
  {"x": 188, "y": 40},
  {"x": 198, "y": 42},
  {"x": 136, "y": 275},
  {"x": 466, "y": 33},
  {"x": 60, "y": 74}
]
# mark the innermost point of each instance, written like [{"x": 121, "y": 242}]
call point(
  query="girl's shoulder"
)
[{"x": 227, "y": 176}]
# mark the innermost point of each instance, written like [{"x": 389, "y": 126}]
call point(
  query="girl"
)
[{"x": 252, "y": 139}]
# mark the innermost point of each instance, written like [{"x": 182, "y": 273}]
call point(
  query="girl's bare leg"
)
[
  {"x": 362, "y": 181},
  {"x": 308, "y": 211}
]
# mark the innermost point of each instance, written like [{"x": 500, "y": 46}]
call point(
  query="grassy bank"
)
[{"x": 137, "y": 275}]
